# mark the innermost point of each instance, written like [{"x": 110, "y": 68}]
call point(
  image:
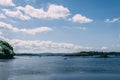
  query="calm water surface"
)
[{"x": 60, "y": 68}]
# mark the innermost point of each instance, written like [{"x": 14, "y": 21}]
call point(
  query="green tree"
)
[{"x": 6, "y": 50}]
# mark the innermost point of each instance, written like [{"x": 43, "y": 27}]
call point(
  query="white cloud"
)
[
  {"x": 28, "y": 31},
  {"x": 53, "y": 12},
  {"x": 2, "y": 16},
  {"x": 36, "y": 30},
  {"x": 16, "y": 14},
  {"x": 81, "y": 19},
  {"x": 8, "y": 26},
  {"x": 37, "y": 46},
  {"x": 7, "y": 3},
  {"x": 104, "y": 48},
  {"x": 43, "y": 46},
  {"x": 112, "y": 20}
]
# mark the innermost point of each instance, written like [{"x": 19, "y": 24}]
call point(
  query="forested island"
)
[
  {"x": 6, "y": 50},
  {"x": 74, "y": 54},
  {"x": 94, "y": 53}
]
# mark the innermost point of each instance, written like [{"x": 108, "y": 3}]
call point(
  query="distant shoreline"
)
[{"x": 83, "y": 53}]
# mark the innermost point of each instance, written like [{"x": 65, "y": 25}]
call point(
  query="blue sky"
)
[{"x": 60, "y": 25}]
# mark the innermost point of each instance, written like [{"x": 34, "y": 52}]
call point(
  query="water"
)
[{"x": 59, "y": 68}]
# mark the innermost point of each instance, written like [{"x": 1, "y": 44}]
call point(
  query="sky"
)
[{"x": 36, "y": 26}]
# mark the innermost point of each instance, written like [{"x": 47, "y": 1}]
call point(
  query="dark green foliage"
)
[
  {"x": 94, "y": 53},
  {"x": 5, "y": 44},
  {"x": 6, "y": 50},
  {"x": 103, "y": 55}
]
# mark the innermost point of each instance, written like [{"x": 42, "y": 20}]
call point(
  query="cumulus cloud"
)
[
  {"x": 25, "y": 13},
  {"x": 24, "y": 30},
  {"x": 53, "y": 12},
  {"x": 114, "y": 20},
  {"x": 7, "y": 3},
  {"x": 16, "y": 14},
  {"x": 81, "y": 19},
  {"x": 39, "y": 46},
  {"x": 2, "y": 16}
]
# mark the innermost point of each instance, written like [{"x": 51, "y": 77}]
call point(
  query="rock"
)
[{"x": 6, "y": 50}]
